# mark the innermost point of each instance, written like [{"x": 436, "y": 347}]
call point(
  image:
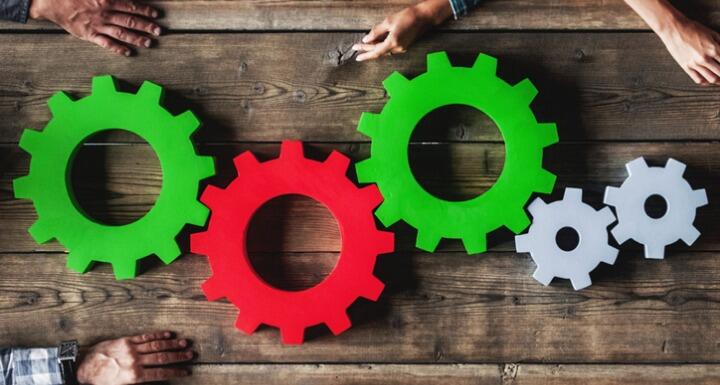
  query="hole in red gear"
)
[{"x": 293, "y": 242}]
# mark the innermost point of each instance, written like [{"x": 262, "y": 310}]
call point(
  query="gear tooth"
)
[
  {"x": 620, "y": 233},
  {"x": 31, "y": 140},
  {"x": 547, "y": 134},
  {"x": 536, "y": 207},
  {"x": 291, "y": 149},
  {"x": 690, "y": 235},
  {"x": 475, "y": 244},
  {"x": 522, "y": 243},
  {"x": 517, "y": 221},
  {"x": 212, "y": 289},
  {"x": 78, "y": 262},
  {"x": 581, "y": 281},
  {"x": 395, "y": 84},
  {"x": 371, "y": 195},
  {"x": 654, "y": 251},
  {"x": 636, "y": 165},
  {"x": 368, "y": 124},
  {"x": 365, "y": 170},
  {"x": 23, "y": 187},
  {"x": 427, "y": 240},
  {"x": 526, "y": 91},
  {"x": 245, "y": 162},
  {"x": 211, "y": 196},
  {"x": 387, "y": 213},
  {"x": 187, "y": 122},
  {"x": 699, "y": 197},
  {"x": 247, "y": 324},
  {"x": 205, "y": 167},
  {"x": 338, "y": 323},
  {"x": 41, "y": 231},
  {"x": 103, "y": 84},
  {"x": 125, "y": 269},
  {"x": 197, "y": 214},
  {"x": 609, "y": 255},
  {"x": 675, "y": 167},
  {"x": 543, "y": 276},
  {"x": 385, "y": 242},
  {"x": 607, "y": 216},
  {"x": 150, "y": 92},
  {"x": 59, "y": 102},
  {"x": 573, "y": 194},
  {"x": 292, "y": 335},
  {"x": 372, "y": 288},
  {"x": 438, "y": 61},
  {"x": 199, "y": 243},
  {"x": 485, "y": 64},
  {"x": 168, "y": 251},
  {"x": 545, "y": 181},
  {"x": 612, "y": 196},
  {"x": 337, "y": 162}
]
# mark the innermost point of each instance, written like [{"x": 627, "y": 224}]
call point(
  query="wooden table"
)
[{"x": 260, "y": 71}]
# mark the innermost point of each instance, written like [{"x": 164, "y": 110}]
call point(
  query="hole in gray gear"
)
[
  {"x": 567, "y": 239},
  {"x": 655, "y": 206}
]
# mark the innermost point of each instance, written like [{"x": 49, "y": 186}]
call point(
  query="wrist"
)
[{"x": 435, "y": 12}]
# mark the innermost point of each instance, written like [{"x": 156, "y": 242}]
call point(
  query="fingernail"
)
[
  {"x": 147, "y": 43},
  {"x": 355, "y": 47},
  {"x": 359, "y": 59},
  {"x": 365, "y": 38},
  {"x": 189, "y": 354},
  {"x": 156, "y": 31},
  {"x": 167, "y": 334},
  {"x": 154, "y": 14},
  {"x": 183, "y": 343},
  {"x": 126, "y": 53}
]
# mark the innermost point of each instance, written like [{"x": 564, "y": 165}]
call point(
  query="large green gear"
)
[
  {"x": 479, "y": 87},
  {"x": 48, "y": 182}
]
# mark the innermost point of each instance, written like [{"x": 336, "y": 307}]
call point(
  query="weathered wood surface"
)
[
  {"x": 266, "y": 87},
  {"x": 444, "y": 307},
  {"x": 133, "y": 180},
  {"x": 459, "y": 374},
  {"x": 360, "y": 15}
]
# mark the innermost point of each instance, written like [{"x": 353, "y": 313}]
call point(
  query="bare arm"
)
[{"x": 694, "y": 47}]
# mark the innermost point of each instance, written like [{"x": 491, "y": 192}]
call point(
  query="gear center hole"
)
[
  {"x": 655, "y": 206},
  {"x": 567, "y": 239},
  {"x": 450, "y": 170},
  {"x": 293, "y": 242},
  {"x": 115, "y": 177}
]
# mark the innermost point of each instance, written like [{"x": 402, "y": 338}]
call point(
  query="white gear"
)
[
  {"x": 592, "y": 248},
  {"x": 681, "y": 201}
]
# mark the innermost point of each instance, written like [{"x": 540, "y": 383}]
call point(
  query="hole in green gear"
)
[
  {"x": 293, "y": 242},
  {"x": 115, "y": 183},
  {"x": 567, "y": 239},
  {"x": 456, "y": 171},
  {"x": 655, "y": 206}
]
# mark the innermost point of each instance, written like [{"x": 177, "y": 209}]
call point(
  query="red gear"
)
[{"x": 225, "y": 242}]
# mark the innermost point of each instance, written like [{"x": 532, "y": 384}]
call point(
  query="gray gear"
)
[
  {"x": 629, "y": 202},
  {"x": 591, "y": 227}
]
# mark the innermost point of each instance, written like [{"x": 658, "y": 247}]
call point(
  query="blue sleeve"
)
[
  {"x": 461, "y": 7},
  {"x": 30, "y": 367},
  {"x": 14, "y": 10}
]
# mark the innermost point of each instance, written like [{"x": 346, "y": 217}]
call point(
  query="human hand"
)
[
  {"x": 134, "y": 360},
  {"x": 696, "y": 48},
  {"x": 111, "y": 24},
  {"x": 398, "y": 31}
]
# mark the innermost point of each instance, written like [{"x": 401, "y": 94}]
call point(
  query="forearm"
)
[
  {"x": 38, "y": 366},
  {"x": 14, "y": 10},
  {"x": 659, "y": 15}
]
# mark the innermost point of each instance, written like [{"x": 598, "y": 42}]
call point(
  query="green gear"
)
[
  {"x": 48, "y": 182},
  {"x": 479, "y": 87}
]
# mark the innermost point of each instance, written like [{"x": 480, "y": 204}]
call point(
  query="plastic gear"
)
[
  {"x": 233, "y": 276},
  {"x": 629, "y": 202},
  {"x": 442, "y": 85},
  {"x": 52, "y": 151},
  {"x": 591, "y": 227}
]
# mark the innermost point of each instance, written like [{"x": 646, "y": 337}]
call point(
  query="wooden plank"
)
[
  {"x": 458, "y": 374},
  {"x": 133, "y": 180},
  {"x": 444, "y": 307},
  {"x": 360, "y": 15},
  {"x": 266, "y": 87}
]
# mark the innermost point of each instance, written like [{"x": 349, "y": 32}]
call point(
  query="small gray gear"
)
[
  {"x": 681, "y": 201},
  {"x": 592, "y": 248}
]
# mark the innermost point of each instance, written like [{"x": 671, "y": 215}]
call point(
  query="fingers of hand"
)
[
  {"x": 696, "y": 76},
  {"x": 109, "y": 44},
  {"x": 165, "y": 358},
  {"x": 708, "y": 74},
  {"x": 376, "y": 32},
  {"x": 161, "y": 346},
  {"x": 134, "y": 8},
  {"x": 147, "y": 337},
  {"x": 379, "y": 50},
  {"x": 125, "y": 35},
  {"x": 132, "y": 22},
  {"x": 161, "y": 374}
]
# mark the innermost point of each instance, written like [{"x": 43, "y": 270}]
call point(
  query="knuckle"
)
[
  {"x": 156, "y": 345},
  {"x": 131, "y": 22}
]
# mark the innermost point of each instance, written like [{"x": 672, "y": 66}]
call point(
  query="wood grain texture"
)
[
  {"x": 267, "y": 87},
  {"x": 458, "y": 374},
  {"x": 128, "y": 188},
  {"x": 444, "y": 307},
  {"x": 361, "y": 15}
]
